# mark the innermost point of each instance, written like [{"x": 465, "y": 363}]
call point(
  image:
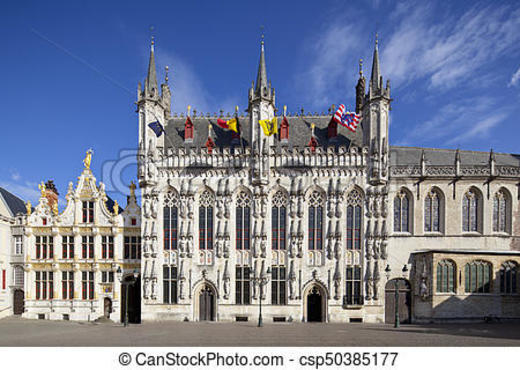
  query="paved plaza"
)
[{"x": 15, "y": 331}]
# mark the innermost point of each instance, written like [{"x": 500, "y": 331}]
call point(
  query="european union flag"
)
[{"x": 156, "y": 127}]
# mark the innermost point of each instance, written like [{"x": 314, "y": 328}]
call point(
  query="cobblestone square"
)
[{"x": 19, "y": 332}]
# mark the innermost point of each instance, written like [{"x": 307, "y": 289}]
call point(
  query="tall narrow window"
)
[
  {"x": 508, "y": 278},
  {"x": 402, "y": 212},
  {"x": 87, "y": 246},
  {"x": 44, "y": 284},
  {"x": 88, "y": 211},
  {"x": 132, "y": 247},
  {"x": 278, "y": 221},
  {"x": 107, "y": 247},
  {"x": 67, "y": 284},
  {"x": 18, "y": 245},
  {"x": 243, "y": 221},
  {"x": 446, "y": 277},
  {"x": 169, "y": 284},
  {"x": 316, "y": 221},
  {"x": 207, "y": 200},
  {"x": 470, "y": 211},
  {"x": 432, "y": 206},
  {"x": 353, "y": 288},
  {"x": 170, "y": 220},
  {"x": 477, "y": 277},
  {"x": 354, "y": 219},
  {"x": 500, "y": 211},
  {"x": 278, "y": 285},
  {"x": 243, "y": 285},
  {"x": 67, "y": 246},
  {"x": 19, "y": 276},
  {"x": 87, "y": 284}
]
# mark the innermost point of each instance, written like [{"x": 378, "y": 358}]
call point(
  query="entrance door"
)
[
  {"x": 134, "y": 300},
  {"x": 206, "y": 304},
  {"x": 107, "y": 308},
  {"x": 314, "y": 306},
  {"x": 404, "y": 299},
  {"x": 18, "y": 305}
]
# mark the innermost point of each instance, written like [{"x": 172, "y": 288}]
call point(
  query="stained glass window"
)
[
  {"x": 446, "y": 277},
  {"x": 500, "y": 207},
  {"x": 170, "y": 220},
  {"x": 354, "y": 209},
  {"x": 432, "y": 212},
  {"x": 470, "y": 211},
  {"x": 243, "y": 220},
  {"x": 402, "y": 212},
  {"x": 206, "y": 220},
  {"x": 278, "y": 221},
  {"x": 315, "y": 221}
]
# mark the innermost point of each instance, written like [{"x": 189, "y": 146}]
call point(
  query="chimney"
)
[{"x": 51, "y": 193}]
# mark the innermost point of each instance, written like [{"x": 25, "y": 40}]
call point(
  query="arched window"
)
[
  {"x": 206, "y": 202},
  {"x": 278, "y": 221},
  {"x": 470, "y": 211},
  {"x": 316, "y": 221},
  {"x": 354, "y": 219},
  {"x": 478, "y": 277},
  {"x": 446, "y": 277},
  {"x": 432, "y": 212},
  {"x": 243, "y": 220},
  {"x": 500, "y": 211},
  {"x": 402, "y": 212},
  {"x": 170, "y": 220},
  {"x": 508, "y": 277}
]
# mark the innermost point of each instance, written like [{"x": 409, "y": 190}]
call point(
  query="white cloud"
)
[
  {"x": 25, "y": 190},
  {"x": 447, "y": 53},
  {"x": 515, "y": 78},
  {"x": 15, "y": 175}
]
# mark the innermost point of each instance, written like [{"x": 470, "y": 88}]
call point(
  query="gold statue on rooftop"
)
[
  {"x": 41, "y": 186},
  {"x": 88, "y": 159}
]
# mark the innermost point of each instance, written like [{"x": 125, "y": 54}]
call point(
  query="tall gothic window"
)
[
  {"x": 446, "y": 277},
  {"x": 354, "y": 219},
  {"x": 278, "y": 221},
  {"x": 206, "y": 220},
  {"x": 278, "y": 285},
  {"x": 316, "y": 221},
  {"x": 470, "y": 211},
  {"x": 508, "y": 276},
  {"x": 170, "y": 220},
  {"x": 353, "y": 287},
  {"x": 432, "y": 212},
  {"x": 169, "y": 284},
  {"x": 243, "y": 285},
  {"x": 478, "y": 277},
  {"x": 500, "y": 211},
  {"x": 402, "y": 212},
  {"x": 243, "y": 220}
]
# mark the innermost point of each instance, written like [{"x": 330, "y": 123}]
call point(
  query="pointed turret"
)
[
  {"x": 375, "y": 77},
  {"x": 360, "y": 88},
  {"x": 261, "y": 76},
  {"x": 150, "y": 84}
]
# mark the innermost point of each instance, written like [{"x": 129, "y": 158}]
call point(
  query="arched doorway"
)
[
  {"x": 315, "y": 304},
  {"x": 18, "y": 303},
  {"x": 404, "y": 300},
  {"x": 206, "y": 304},
  {"x": 107, "y": 307},
  {"x": 134, "y": 299}
]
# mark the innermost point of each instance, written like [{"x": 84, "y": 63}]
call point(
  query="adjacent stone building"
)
[
  {"x": 331, "y": 220},
  {"x": 76, "y": 260}
]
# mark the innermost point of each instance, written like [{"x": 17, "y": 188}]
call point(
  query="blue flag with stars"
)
[{"x": 156, "y": 127}]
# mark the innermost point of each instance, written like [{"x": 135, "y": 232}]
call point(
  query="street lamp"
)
[
  {"x": 132, "y": 281},
  {"x": 397, "y": 323},
  {"x": 261, "y": 281}
]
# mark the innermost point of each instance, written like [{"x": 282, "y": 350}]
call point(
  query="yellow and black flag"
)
[{"x": 270, "y": 127}]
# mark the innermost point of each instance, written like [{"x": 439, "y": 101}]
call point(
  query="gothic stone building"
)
[
  {"x": 332, "y": 222},
  {"x": 76, "y": 260}
]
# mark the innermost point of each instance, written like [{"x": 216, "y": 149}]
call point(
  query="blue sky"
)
[{"x": 71, "y": 72}]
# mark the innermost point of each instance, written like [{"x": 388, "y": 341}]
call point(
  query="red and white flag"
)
[{"x": 348, "y": 119}]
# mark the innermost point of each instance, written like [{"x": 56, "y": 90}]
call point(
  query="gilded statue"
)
[{"x": 88, "y": 158}]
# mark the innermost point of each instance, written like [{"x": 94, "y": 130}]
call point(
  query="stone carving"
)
[{"x": 226, "y": 280}]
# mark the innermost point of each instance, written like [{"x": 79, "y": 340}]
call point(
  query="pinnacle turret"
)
[{"x": 150, "y": 84}]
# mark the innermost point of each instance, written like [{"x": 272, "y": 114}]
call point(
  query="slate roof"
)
[
  {"x": 15, "y": 204},
  {"x": 401, "y": 156},
  {"x": 299, "y": 132}
]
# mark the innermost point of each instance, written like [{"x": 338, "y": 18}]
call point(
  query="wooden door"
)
[
  {"x": 18, "y": 303},
  {"x": 404, "y": 299},
  {"x": 314, "y": 306},
  {"x": 206, "y": 304}
]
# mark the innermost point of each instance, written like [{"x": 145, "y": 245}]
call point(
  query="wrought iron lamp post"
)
[
  {"x": 261, "y": 281},
  {"x": 126, "y": 284},
  {"x": 397, "y": 323}
]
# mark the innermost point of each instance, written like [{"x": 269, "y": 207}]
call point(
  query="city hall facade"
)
[{"x": 315, "y": 222}]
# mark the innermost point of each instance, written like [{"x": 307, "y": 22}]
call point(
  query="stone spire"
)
[
  {"x": 261, "y": 77},
  {"x": 360, "y": 88},
  {"x": 150, "y": 84},
  {"x": 376, "y": 73}
]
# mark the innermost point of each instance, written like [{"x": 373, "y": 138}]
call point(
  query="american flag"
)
[{"x": 348, "y": 119}]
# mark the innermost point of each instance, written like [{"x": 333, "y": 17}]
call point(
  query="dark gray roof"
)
[
  {"x": 299, "y": 132},
  {"x": 15, "y": 204},
  {"x": 467, "y": 251},
  {"x": 401, "y": 156}
]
